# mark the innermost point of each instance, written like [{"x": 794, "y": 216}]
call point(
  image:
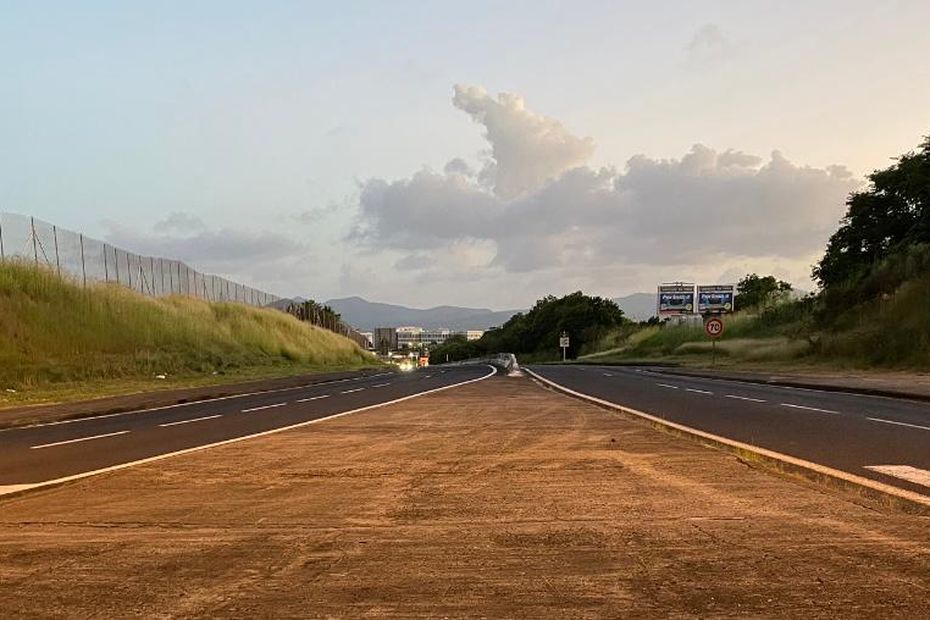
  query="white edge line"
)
[
  {"x": 925, "y": 428},
  {"x": 78, "y": 440},
  {"x": 821, "y": 469},
  {"x": 206, "y": 417},
  {"x": 176, "y": 405},
  {"x": 16, "y": 488}
]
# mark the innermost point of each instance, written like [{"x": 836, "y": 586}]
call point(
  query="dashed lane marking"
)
[
  {"x": 883, "y": 421},
  {"x": 697, "y": 391},
  {"x": 274, "y": 406},
  {"x": 380, "y": 385},
  {"x": 747, "y": 398},
  {"x": 666, "y": 385},
  {"x": 200, "y": 419},
  {"x": 806, "y": 408},
  {"x": 307, "y": 400},
  {"x": 352, "y": 391},
  {"x": 79, "y": 439}
]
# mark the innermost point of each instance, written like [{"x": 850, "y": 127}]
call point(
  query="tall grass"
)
[{"x": 52, "y": 330}]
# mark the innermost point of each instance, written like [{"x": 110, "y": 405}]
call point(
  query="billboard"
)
[
  {"x": 675, "y": 299},
  {"x": 715, "y": 298}
]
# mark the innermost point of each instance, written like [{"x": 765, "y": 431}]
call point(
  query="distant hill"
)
[
  {"x": 366, "y": 315},
  {"x": 638, "y": 306}
]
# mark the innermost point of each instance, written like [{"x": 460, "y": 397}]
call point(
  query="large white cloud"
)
[
  {"x": 527, "y": 149},
  {"x": 545, "y": 211}
]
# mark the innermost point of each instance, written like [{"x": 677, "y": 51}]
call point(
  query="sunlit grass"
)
[{"x": 54, "y": 331}]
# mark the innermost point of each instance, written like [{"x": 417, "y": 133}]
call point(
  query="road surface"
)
[
  {"x": 884, "y": 439},
  {"x": 48, "y": 452}
]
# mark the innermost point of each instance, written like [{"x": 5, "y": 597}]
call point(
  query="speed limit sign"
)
[{"x": 713, "y": 327}]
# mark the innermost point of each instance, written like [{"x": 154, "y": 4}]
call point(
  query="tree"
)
[
  {"x": 755, "y": 291},
  {"x": 884, "y": 219}
]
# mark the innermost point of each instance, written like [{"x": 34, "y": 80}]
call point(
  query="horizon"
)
[{"x": 310, "y": 150}]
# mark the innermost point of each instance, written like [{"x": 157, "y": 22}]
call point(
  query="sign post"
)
[
  {"x": 713, "y": 327},
  {"x": 563, "y": 343}
]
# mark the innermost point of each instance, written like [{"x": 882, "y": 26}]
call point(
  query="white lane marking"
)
[
  {"x": 923, "y": 428},
  {"x": 263, "y": 407},
  {"x": 806, "y": 408},
  {"x": 378, "y": 385},
  {"x": 307, "y": 400},
  {"x": 428, "y": 376},
  {"x": 61, "y": 443},
  {"x": 917, "y": 498},
  {"x": 696, "y": 391},
  {"x": 351, "y": 391},
  {"x": 206, "y": 417},
  {"x": 176, "y": 405},
  {"x": 607, "y": 374},
  {"x": 752, "y": 400},
  {"x": 16, "y": 488},
  {"x": 666, "y": 385},
  {"x": 904, "y": 472}
]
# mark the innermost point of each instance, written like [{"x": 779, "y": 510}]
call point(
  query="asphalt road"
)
[
  {"x": 47, "y": 452},
  {"x": 880, "y": 438}
]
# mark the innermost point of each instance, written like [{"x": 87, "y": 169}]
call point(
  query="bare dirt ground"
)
[{"x": 498, "y": 499}]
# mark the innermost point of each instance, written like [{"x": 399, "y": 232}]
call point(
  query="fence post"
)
[
  {"x": 83, "y": 263},
  {"x": 106, "y": 267},
  {"x": 129, "y": 268},
  {"x": 116, "y": 265},
  {"x": 57, "y": 259},
  {"x": 35, "y": 246},
  {"x": 2, "y": 254}
]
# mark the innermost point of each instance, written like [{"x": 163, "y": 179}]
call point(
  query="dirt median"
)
[{"x": 496, "y": 499}]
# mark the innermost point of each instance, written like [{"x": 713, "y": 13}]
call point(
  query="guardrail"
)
[{"x": 506, "y": 362}]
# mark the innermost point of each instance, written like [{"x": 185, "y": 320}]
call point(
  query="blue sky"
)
[{"x": 267, "y": 121}]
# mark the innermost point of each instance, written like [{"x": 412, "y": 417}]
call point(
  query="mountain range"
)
[{"x": 367, "y": 315}]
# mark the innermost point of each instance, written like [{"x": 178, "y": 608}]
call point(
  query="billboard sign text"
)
[
  {"x": 674, "y": 299},
  {"x": 715, "y": 298}
]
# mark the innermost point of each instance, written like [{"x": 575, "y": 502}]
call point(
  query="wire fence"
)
[{"x": 88, "y": 260}]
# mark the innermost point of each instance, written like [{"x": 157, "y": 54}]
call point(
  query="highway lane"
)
[
  {"x": 884, "y": 439},
  {"x": 47, "y": 452}
]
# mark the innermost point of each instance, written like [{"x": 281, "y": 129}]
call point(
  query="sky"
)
[{"x": 481, "y": 154}]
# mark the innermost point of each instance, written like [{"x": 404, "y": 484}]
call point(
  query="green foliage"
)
[
  {"x": 52, "y": 330},
  {"x": 892, "y": 214},
  {"x": 455, "y": 349},
  {"x": 755, "y": 291},
  {"x": 535, "y": 334}
]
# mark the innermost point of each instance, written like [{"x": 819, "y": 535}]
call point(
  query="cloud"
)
[
  {"x": 179, "y": 221},
  {"x": 708, "y": 209},
  {"x": 709, "y": 45},
  {"x": 528, "y": 149},
  {"x": 223, "y": 249}
]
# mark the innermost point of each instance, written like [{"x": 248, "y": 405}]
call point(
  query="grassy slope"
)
[
  {"x": 891, "y": 333},
  {"x": 55, "y": 335}
]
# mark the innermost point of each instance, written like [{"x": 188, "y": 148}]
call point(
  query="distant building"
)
[
  {"x": 413, "y": 337},
  {"x": 385, "y": 339}
]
